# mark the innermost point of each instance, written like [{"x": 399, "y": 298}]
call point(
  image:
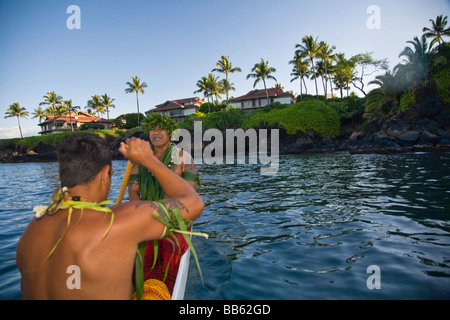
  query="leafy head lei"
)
[{"x": 157, "y": 120}]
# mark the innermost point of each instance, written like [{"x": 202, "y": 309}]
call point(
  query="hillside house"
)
[
  {"x": 178, "y": 109},
  {"x": 257, "y": 98},
  {"x": 53, "y": 124}
]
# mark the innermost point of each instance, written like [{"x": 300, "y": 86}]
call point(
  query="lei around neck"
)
[{"x": 61, "y": 199}]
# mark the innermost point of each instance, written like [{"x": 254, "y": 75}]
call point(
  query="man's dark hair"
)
[{"x": 81, "y": 157}]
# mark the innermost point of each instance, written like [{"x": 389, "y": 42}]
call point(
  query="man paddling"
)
[
  {"x": 143, "y": 186},
  {"x": 66, "y": 244}
]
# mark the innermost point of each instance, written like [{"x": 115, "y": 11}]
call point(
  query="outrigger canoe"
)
[{"x": 182, "y": 275}]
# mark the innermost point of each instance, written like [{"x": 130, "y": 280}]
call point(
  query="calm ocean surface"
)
[{"x": 309, "y": 232}]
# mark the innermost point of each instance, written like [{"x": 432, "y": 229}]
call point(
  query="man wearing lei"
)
[
  {"x": 77, "y": 248},
  {"x": 162, "y": 257}
]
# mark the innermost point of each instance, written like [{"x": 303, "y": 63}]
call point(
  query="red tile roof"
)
[
  {"x": 261, "y": 93},
  {"x": 80, "y": 117},
  {"x": 177, "y": 104}
]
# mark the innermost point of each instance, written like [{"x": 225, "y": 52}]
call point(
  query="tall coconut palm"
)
[
  {"x": 39, "y": 113},
  {"x": 325, "y": 52},
  {"x": 226, "y": 86},
  {"x": 344, "y": 72},
  {"x": 15, "y": 110},
  {"x": 385, "y": 99},
  {"x": 300, "y": 71},
  {"x": 202, "y": 86},
  {"x": 309, "y": 48},
  {"x": 53, "y": 101},
  {"x": 416, "y": 64},
  {"x": 96, "y": 104},
  {"x": 224, "y": 66},
  {"x": 107, "y": 103},
  {"x": 214, "y": 86},
  {"x": 211, "y": 87},
  {"x": 262, "y": 71},
  {"x": 136, "y": 86},
  {"x": 321, "y": 72},
  {"x": 69, "y": 109},
  {"x": 437, "y": 31}
]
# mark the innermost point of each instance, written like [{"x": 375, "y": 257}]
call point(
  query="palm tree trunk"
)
[
  {"x": 306, "y": 88},
  {"x": 107, "y": 116},
  {"x": 301, "y": 88},
  {"x": 226, "y": 89},
  {"x": 324, "y": 88},
  {"x": 137, "y": 100},
  {"x": 331, "y": 88},
  {"x": 267, "y": 93},
  {"x": 315, "y": 78},
  {"x": 20, "y": 129}
]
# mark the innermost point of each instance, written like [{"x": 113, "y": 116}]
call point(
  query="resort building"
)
[
  {"x": 257, "y": 98},
  {"x": 53, "y": 124},
  {"x": 178, "y": 109}
]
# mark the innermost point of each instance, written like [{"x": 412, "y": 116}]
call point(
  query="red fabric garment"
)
[{"x": 167, "y": 254}]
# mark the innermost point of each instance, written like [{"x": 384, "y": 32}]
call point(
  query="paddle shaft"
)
[{"x": 126, "y": 177}]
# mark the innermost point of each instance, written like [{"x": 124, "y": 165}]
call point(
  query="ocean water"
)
[{"x": 315, "y": 230}]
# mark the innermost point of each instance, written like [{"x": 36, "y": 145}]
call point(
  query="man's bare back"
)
[{"x": 87, "y": 264}]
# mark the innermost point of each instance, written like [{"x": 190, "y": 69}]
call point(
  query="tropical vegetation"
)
[
  {"x": 426, "y": 57},
  {"x": 136, "y": 86},
  {"x": 15, "y": 110}
]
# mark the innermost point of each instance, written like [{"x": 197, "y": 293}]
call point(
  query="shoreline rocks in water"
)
[{"x": 424, "y": 127}]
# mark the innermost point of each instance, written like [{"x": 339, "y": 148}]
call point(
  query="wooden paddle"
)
[{"x": 126, "y": 177}]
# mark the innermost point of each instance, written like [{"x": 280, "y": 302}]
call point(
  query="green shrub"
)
[
  {"x": 57, "y": 138},
  {"x": 226, "y": 118},
  {"x": 406, "y": 99},
  {"x": 442, "y": 79},
  {"x": 91, "y": 126},
  {"x": 310, "y": 115}
]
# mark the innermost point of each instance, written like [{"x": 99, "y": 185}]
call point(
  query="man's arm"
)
[{"x": 180, "y": 194}]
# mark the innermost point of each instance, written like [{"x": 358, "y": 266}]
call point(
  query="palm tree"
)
[
  {"x": 326, "y": 54},
  {"x": 417, "y": 60},
  {"x": 385, "y": 99},
  {"x": 321, "y": 72},
  {"x": 210, "y": 86},
  {"x": 215, "y": 89},
  {"x": 15, "y": 110},
  {"x": 226, "y": 86},
  {"x": 310, "y": 49},
  {"x": 262, "y": 71},
  {"x": 344, "y": 72},
  {"x": 226, "y": 67},
  {"x": 53, "y": 101},
  {"x": 96, "y": 104},
  {"x": 107, "y": 103},
  {"x": 437, "y": 31},
  {"x": 69, "y": 109},
  {"x": 136, "y": 86},
  {"x": 39, "y": 113},
  {"x": 202, "y": 86},
  {"x": 300, "y": 71}
]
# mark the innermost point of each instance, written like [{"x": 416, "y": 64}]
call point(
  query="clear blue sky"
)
[{"x": 171, "y": 44}]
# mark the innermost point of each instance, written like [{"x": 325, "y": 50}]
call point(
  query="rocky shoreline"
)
[
  {"x": 380, "y": 142},
  {"x": 424, "y": 127}
]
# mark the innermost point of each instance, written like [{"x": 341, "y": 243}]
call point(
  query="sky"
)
[{"x": 172, "y": 44}]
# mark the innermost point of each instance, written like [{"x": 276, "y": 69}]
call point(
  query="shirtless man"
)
[{"x": 105, "y": 262}]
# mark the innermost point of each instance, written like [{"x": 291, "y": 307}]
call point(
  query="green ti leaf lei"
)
[
  {"x": 172, "y": 220},
  {"x": 62, "y": 200}
]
